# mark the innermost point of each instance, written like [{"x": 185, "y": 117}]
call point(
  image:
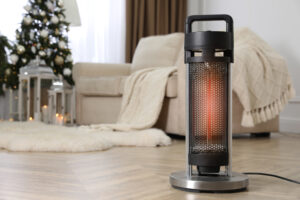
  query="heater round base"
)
[{"x": 236, "y": 182}]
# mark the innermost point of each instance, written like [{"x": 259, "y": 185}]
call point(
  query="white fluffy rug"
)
[{"x": 37, "y": 136}]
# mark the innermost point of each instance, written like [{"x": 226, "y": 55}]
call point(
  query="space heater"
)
[{"x": 208, "y": 55}]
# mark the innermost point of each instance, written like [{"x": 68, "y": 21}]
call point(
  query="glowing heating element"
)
[{"x": 208, "y": 106}]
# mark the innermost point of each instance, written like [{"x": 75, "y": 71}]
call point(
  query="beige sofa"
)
[{"x": 99, "y": 87}]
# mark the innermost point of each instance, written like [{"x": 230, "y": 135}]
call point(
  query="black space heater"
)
[{"x": 208, "y": 55}]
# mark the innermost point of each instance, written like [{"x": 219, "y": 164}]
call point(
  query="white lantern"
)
[
  {"x": 34, "y": 82},
  {"x": 61, "y": 103}
]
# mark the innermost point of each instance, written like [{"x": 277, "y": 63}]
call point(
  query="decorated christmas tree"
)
[
  {"x": 5, "y": 70},
  {"x": 42, "y": 38}
]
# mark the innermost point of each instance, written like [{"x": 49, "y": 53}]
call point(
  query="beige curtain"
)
[{"x": 152, "y": 17}]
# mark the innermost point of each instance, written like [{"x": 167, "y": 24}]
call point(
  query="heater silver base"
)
[{"x": 236, "y": 182}]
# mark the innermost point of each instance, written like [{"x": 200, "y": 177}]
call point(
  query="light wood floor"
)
[{"x": 142, "y": 173}]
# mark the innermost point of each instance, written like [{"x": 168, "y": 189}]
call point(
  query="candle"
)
[
  {"x": 55, "y": 118},
  {"x": 59, "y": 119},
  {"x": 67, "y": 118},
  {"x": 45, "y": 114},
  {"x": 30, "y": 119}
]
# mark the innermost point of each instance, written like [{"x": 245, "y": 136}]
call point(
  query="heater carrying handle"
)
[
  {"x": 208, "y": 42},
  {"x": 227, "y": 18}
]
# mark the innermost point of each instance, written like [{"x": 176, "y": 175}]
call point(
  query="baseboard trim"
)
[
  {"x": 290, "y": 125},
  {"x": 296, "y": 99}
]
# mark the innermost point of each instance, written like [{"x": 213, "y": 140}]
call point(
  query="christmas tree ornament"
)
[
  {"x": 35, "y": 12},
  {"x": 56, "y": 31},
  {"x": 44, "y": 33},
  {"x": 59, "y": 60},
  {"x": 39, "y": 1},
  {"x": 31, "y": 35},
  {"x": 33, "y": 49},
  {"x": 17, "y": 35},
  {"x": 67, "y": 72},
  {"x": 4, "y": 87},
  {"x": 27, "y": 20},
  {"x": 27, "y": 7},
  {"x": 49, "y": 52},
  {"x": 50, "y": 6},
  {"x": 14, "y": 58},
  {"x": 42, "y": 13},
  {"x": 42, "y": 53},
  {"x": 8, "y": 71},
  {"x": 24, "y": 60},
  {"x": 60, "y": 3},
  {"x": 54, "y": 19},
  {"x": 61, "y": 17},
  {"x": 45, "y": 20},
  {"x": 61, "y": 44},
  {"x": 69, "y": 58},
  {"x": 38, "y": 45},
  {"x": 20, "y": 49}
]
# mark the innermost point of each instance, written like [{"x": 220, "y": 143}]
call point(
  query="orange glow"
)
[
  {"x": 30, "y": 118},
  {"x": 45, "y": 106},
  {"x": 209, "y": 110},
  {"x": 214, "y": 104},
  {"x": 59, "y": 116}
]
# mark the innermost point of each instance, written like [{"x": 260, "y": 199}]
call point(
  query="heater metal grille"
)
[{"x": 208, "y": 107}]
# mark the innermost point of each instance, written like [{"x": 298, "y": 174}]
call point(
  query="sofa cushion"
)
[
  {"x": 114, "y": 86},
  {"x": 157, "y": 51},
  {"x": 105, "y": 86},
  {"x": 171, "y": 90}
]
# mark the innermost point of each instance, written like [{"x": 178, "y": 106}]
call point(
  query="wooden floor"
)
[{"x": 142, "y": 173}]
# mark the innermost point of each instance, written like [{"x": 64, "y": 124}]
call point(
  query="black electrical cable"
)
[{"x": 273, "y": 175}]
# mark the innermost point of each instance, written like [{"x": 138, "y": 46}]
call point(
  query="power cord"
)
[{"x": 273, "y": 175}]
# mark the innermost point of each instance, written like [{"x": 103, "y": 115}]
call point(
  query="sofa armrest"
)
[{"x": 94, "y": 70}]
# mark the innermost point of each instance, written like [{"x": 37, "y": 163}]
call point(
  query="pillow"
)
[{"x": 157, "y": 51}]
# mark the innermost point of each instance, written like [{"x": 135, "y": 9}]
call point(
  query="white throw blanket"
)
[
  {"x": 142, "y": 100},
  {"x": 260, "y": 78}
]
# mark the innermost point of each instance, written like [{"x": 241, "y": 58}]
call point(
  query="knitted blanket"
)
[
  {"x": 142, "y": 100},
  {"x": 260, "y": 78}
]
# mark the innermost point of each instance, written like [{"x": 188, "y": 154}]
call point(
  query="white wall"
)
[{"x": 277, "y": 22}]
